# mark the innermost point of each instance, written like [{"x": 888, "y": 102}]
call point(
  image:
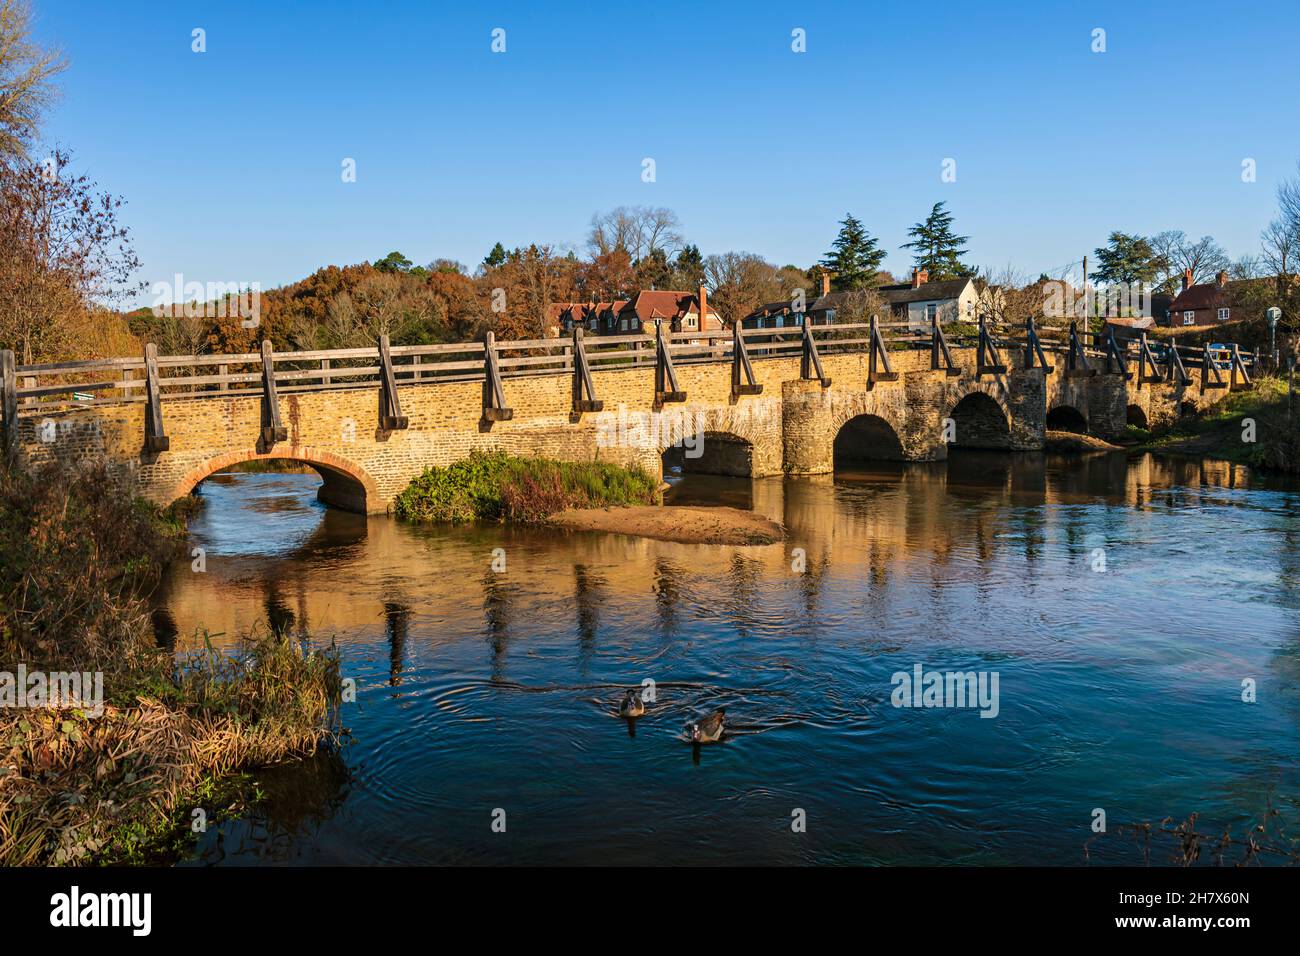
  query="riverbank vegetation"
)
[
  {"x": 1253, "y": 427},
  {"x": 109, "y": 779},
  {"x": 495, "y": 486}
]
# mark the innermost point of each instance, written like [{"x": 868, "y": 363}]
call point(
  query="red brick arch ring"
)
[{"x": 345, "y": 483}]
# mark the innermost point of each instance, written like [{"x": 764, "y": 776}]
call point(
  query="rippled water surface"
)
[{"x": 1119, "y": 689}]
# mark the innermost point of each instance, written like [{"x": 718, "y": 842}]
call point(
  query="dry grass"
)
[{"x": 75, "y": 557}]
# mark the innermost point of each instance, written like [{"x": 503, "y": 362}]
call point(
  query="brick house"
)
[
  {"x": 1206, "y": 303},
  {"x": 680, "y": 312}
]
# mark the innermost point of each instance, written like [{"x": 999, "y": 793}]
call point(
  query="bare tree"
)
[
  {"x": 740, "y": 282},
  {"x": 636, "y": 230},
  {"x": 25, "y": 72},
  {"x": 1176, "y": 253},
  {"x": 65, "y": 252}
]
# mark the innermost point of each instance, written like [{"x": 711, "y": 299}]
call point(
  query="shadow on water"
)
[{"x": 1097, "y": 588}]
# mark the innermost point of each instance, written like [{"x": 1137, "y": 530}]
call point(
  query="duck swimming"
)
[
  {"x": 708, "y": 730},
  {"x": 631, "y": 705}
]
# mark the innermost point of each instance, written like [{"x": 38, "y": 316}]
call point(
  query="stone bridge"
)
[{"x": 758, "y": 403}]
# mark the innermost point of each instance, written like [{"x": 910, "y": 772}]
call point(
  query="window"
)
[
  {"x": 692, "y": 322},
  {"x": 1189, "y": 318},
  {"x": 1223, "y": 315},
  {"x": 595, "y": 323},
  {"x": 624, "y": 326},
  {"x": 931, "y": 311}
]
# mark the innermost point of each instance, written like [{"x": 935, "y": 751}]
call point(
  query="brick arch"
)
[
  {"x": 754, "y": 425},
  {"x": 1068, "y": 417},
  {"x": 992, "y": 390},
  {"x": 858, "y": 403},
  {"x": 1002, "y": 439},
  {"x": 345, "y": 485}
]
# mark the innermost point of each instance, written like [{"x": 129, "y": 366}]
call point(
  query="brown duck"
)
[{"x": 709, "y": 730}]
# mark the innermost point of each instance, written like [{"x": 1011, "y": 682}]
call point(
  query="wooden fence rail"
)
[{"x": 34, "y": 389}]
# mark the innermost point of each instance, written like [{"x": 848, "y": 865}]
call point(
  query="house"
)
[
  {"x": 679, "y": 311},
  {"x": 950, "y": 300},
  {"x": 920, "y": 301},
  {"x": 1207, "y": 303}
]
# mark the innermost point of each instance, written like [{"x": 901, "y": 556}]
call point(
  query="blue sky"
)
[{"x": 230, "y": 159}]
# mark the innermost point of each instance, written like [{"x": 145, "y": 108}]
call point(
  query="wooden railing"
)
[{"x": 40, "y": 388}]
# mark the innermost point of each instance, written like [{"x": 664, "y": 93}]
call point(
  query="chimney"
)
[
  {"x": 826, "y": 282},
  {"x": 703, "y": 296},
  {"x": 1221, "y": 279},
  {"x": 919, "y": 278},
  {"x": 1187, "y": 279}
]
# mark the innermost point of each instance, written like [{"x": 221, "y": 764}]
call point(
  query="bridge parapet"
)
[{"x": 370, "y": 419}]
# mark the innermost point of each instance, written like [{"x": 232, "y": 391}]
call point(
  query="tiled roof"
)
[{"x": 648, "y": 304}]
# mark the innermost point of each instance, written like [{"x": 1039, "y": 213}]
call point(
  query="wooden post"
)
[
  {"x": 1076, "y": 361},
  {"x": 1238, "y": 366},
  {"x": 666, "y": 389},
  {"x": 1115, "y": 359},
  {"x": 810, "y": 363},
  {"x": 390, "y": 404},
  {"x": 223, "y": 371},
  {"x": 1034, "y": 348},
  {"x": 155, "y": 440},
  {"x": 1210, "y": 377},
  {"x": 584, "y": 391},
  {"x": 987, "y": 359},
  {"x": 326, "y": 379},
  {"x": 1147, "y": 360},
  {"x": 272, "y": 430},
  {"x": 940, "y": 355},
  {"x": 742, "y": 372},
  {"x": 9, "y": 404},
  {"x": 29, "y": 382},
  {"x": 494, "y": 397},
  {"x": 878, "y": 355}
]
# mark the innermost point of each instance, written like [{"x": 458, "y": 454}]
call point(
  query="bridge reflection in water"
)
[{"x": 481, "y": 689}]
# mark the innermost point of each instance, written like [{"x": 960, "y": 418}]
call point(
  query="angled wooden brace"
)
[
  {"x": 987, "y": 359},
  {"x": 1210, "y": 376},
  {"x": 155, "y": 439},
  {"x": 1034, "y": 356},
  {"x": 272, "y": 430},
  {"x": 810, "y": 363},
  {"x": 1147, "y": 360},
  {"x": 1238, "y": 366},
  {"x": 1115, "y": 359},
  {"x": 390, "y": 406},
  {"x": 666, "y": 389},
  {"x": 1174, "y": 370},
  {"x": 582, "y": 385},
  {"x": 940, "y": 356},
  {"x": 878, "y": 355},
  {"x": 9, "y": 407},
  {"x": 1076, "y": 360},
  {"x": 494, "y": 397},
  {"x": 742, "y": 373}
]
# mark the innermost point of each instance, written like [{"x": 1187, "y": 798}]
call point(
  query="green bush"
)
[{"x": 495, "y": 486}]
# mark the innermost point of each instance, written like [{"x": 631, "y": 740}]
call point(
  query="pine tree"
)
[
  {"x": 938, "y": 250},
  {"x": 1126, "y": 258},
  {"x": 496, "y": 257},
  {"x": 688, "y": 269},
  {"x": 854, "y": 258}
]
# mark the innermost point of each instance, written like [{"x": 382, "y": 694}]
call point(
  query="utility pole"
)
[{"x": 1087, "y": 304}]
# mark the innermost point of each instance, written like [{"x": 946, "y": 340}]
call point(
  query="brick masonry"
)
[{"x": 790, "y": 428}]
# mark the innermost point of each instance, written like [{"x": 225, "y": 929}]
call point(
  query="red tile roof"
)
[{"x": 649, "y": 304}]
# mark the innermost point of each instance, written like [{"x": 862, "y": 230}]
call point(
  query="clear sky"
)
[{"x": 230, "y": 160}]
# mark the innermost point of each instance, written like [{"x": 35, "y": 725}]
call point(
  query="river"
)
[{"x": 1125, "y": 607}]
